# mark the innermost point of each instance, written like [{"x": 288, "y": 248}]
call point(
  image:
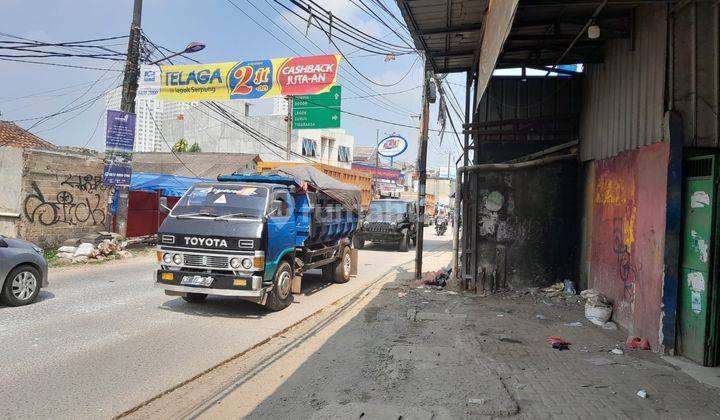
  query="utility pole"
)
[
  {"x": 128, "y": 104},
  {"x": 377, "y": 147},
  {"x": 289, "y": 127},
  {"x": 422, "y": 174}
]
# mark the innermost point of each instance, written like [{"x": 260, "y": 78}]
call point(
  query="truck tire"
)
[
  {"x": 404, "y": 241},
  {"x": 358, "y": 242},
  {"x": 195, "y": 297},
  {"x": 280, "y": 296},
  {"x": 341, "y": 267}
]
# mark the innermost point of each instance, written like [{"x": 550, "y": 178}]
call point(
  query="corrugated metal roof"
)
[
  {"x": 623, "y": 107},
  {"x": 447, "y": 30}
]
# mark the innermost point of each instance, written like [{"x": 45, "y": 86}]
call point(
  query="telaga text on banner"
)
[{"x": 239, "y": 80}]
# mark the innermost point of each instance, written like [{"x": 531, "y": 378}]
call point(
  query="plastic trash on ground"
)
[{"x": 597, "y": 308}]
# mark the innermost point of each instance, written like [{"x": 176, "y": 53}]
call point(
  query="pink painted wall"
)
[{"x": 627, "y": 236}]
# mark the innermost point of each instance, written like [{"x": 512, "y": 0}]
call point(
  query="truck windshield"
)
[
  {"x": 392, "y": 207},
  {"x": 222, "y": 201}
]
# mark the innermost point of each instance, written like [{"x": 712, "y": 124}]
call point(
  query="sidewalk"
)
[{"x": 400, "y": 351}]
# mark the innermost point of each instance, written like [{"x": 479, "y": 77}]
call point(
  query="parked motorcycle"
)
[{"x": 441, "y": 226}]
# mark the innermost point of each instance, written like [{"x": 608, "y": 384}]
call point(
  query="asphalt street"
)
[{"x": 101, "y": 339}]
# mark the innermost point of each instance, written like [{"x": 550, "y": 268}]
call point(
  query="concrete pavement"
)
[{"x": 102, "y": 339}]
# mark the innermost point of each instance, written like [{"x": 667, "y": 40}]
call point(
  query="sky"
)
[{"x": 232, "y": 30}]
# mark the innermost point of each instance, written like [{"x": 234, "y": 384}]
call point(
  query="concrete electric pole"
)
[
  {"x": 289, "y": 126},
  {"x": 130, "y": 82},
  {"x": 422, "y": 174}
]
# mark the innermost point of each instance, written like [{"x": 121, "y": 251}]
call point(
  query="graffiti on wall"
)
[
  {"x": 617, "y": 199},
  {"x": 64, "y": 207},
  {"x": 86, "y": 183}
]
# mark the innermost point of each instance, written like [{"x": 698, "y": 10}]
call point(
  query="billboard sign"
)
[
  {"x": 253, "y": 79},
  {"x": 378, "y": 172},
  {"x": 119, "y": 144},
  {"x": 317, "y": 111},
  {"x": 392, "y": 146}
]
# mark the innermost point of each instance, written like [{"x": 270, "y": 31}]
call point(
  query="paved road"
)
[{"x": 102, "y": 339}]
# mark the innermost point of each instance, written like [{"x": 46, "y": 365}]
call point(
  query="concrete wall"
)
[
  {"x": 626, "y": 240},
  {"x": 522, "y": 225},
  {"x": 11, "y": 163},
  {"x": 62, "y": 196}
]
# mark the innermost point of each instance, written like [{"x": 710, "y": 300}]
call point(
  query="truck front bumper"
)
[
  {"x": 222, "y": 285},
  {"x": 389, "y": 236}
]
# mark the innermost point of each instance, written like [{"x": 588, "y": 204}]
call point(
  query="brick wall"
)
[{"x": 62, "y": 196}]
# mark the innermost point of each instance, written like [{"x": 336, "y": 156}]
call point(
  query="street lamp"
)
[{"x": 192, "y": 47}]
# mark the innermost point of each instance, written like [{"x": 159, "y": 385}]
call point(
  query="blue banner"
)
[{"x": 119, "y": 144}]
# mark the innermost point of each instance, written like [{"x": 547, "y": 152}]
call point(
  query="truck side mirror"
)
[{"x": 164, "y": 205}]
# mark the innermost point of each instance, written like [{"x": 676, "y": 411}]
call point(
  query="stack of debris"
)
[
  {"x": 437, "y": 278},
  {"x": 94, "y": 247},
  {"x": 598, "y": 309}
]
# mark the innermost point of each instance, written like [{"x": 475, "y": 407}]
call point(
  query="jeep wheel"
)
[
  {"x": 195, "y": 297},
  {"x": 404, "y": 241},
  {"x": 358, "y": 242},
  {"x": 280, "y": 296}
]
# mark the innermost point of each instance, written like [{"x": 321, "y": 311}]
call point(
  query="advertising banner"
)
[
  {"x": 378, "y": 172},
  {"x": 119, "y": 143},
  {"x": 239, "y": 80},
  {"x": 392, "y": 146}
]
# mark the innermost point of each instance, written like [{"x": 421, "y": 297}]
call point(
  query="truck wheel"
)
[
  {"x": 195, "y": 297},
  {"x": 404, "y": 241},
  {"x": 358, "y": 242},
  {"x": 280, "y": 296},
  {"x": 341, "y": 267}
]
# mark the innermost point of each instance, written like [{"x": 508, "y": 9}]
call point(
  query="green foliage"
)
[
  {"x": 195, "y": 148},
  {"x": 181, "y": 146}
]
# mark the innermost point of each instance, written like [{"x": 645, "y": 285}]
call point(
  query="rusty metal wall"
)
[
  {"x": 696, "y": 72},
  {"x": 623, "y": 106}
]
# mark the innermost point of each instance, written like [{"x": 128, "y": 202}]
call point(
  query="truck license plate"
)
[{"x": 197, "y": 281}]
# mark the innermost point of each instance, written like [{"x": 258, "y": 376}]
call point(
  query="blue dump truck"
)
[{"x": 253, "y": 236}]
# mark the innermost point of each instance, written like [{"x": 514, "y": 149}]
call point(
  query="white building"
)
[
  {"x": 280, "y": 105},
  {"x": 160, "y": 124}
]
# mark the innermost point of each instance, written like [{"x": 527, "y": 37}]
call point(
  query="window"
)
[
  {"x": 343, "y": 154},
  {"x": 309, "y": 147}
]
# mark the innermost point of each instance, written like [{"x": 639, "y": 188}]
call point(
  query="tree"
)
[
  {"x": 180, "y": 147},
  {"x": 195, "y": 148}
]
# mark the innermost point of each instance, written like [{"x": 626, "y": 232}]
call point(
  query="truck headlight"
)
[
  {"x": 177, "y": 259},
  {"x": 247, "y": 263},
  {"x": 366, "y": 223},
  {"x": 235, "y": 263},
  {"x": 167, "y": 258}
]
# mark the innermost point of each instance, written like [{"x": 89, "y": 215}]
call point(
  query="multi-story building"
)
[{"x": 160, "y": 124}]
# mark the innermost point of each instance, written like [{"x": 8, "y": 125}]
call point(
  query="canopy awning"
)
[{"x": 167, "y": 185}]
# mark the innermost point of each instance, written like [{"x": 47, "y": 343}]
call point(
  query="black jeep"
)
[{"x": 388, "y": 221}]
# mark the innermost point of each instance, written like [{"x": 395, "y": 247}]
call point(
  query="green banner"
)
[{"x": 317, "y": 111}]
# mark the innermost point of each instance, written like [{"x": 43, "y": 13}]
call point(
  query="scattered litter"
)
[
  {"x": 642, "y": 393},
  {"x": 425, "y": 302},
  {"x": 600, "y": 361},
  {"x": 506, "y": 339},
  {"x": 558, "y": 343},
  {"x": 541, "y": 317},
  {"x": 500, "y": 315},
  {"x": 435, "y": 278},
  {"x": 519, "y": 386},
  {"x": 450, "y": 292},
  {"x": 401, "y": 294},
  {"x": 476, "y": 401},
  {"x": 533, "y": 290},
  {"x": 610, "y": 326},
  {"x": 569, "y": 288},
  {"x": 597, "y": 308},
  {"x": 638, "y": 343},
  {"x": 617, "y": 351},
  {"x": 574, "y": 324},
  {"x": 556, "y": 290}
]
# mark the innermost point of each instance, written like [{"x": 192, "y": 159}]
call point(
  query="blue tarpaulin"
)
[{"x": 167, "y": 185}]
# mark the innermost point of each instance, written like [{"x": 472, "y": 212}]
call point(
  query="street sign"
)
[{"x": 317, "y": 111}]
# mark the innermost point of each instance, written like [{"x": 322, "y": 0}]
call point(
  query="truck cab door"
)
[{"x": 281, "y": 229}]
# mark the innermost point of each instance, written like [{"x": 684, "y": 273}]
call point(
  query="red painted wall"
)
[
  {"x": 627, "y": 237},
  {"x": 143, "y": 213}
]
